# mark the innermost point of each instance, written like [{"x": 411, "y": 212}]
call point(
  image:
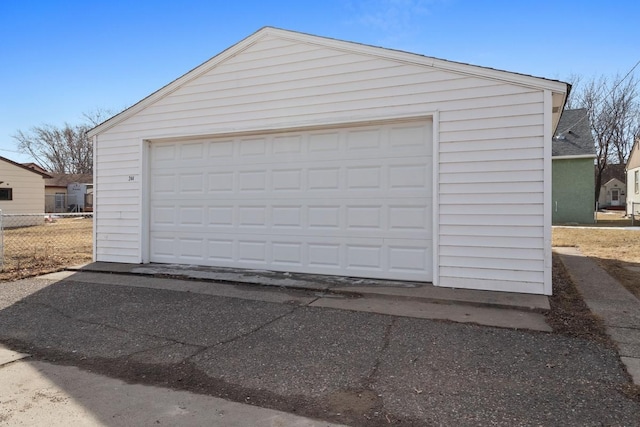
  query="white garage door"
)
[{"x": 353, "y": 201}]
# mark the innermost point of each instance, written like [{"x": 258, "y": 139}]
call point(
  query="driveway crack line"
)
[
  {"x": 254, "y": 330},
  {"x": 368, "y": 382},
  {"x": 115, "y": 328}
]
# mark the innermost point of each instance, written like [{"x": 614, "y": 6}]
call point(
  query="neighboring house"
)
[
  {"x": 297, "y": 153},
  {"x": 633, "y": 180},
  {"x": 67, "y": 192},
  {"x": 21, "y": 192},
  {"x": 613, "y": 194},
  {"x": 573, "y": 153}
]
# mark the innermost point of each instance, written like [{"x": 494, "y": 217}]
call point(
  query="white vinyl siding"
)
[
  {"x": 491, "y": 200},
  {"x": 490, "y": 156}
]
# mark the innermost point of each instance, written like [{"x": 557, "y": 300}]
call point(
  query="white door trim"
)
[{"x": 435, "y": 196}]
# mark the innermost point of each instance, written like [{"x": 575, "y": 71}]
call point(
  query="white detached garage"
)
[{"x": 292, "y": 152}]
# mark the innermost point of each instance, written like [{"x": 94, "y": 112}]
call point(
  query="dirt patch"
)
[
  {"x": 569, "y": 315},
  {"x": 353, "y": 401}
]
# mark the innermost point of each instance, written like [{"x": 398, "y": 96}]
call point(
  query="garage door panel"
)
[
  {"x": 364, "y": 257},
  {"x": 287, "y": 180},
  {"x": 365, "y": 217},
  {"x": 358, "y": 257},
  {"x": 221, "y": 216},
  {"x": 394, "y": 218},
  {"x": 220, "y": 250},
  {"x": 288, "y": 217},
  {"x": 324, "y": 255},
  {"x": 287, "y": 253},
  {"x": 363, "y": 178},
  {"x": 347, "y": 201},
  {"x": 409, "y": 256},
  {"x": 357, "y": 223},
  {"x": 323, "y": 142},
  {"x": 221, "y": 149},
  {"x": 221, "y": 182},
  {"x": 308, "y": 147},
  {"x": 252, "y": 251}
]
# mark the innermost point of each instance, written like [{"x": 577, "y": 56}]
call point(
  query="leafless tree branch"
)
[
  {"x": 65, "y": 149},
  {"x": 613, "y": 107}
]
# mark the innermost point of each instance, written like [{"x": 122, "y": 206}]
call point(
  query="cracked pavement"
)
[{"x": 269, "y": 348}]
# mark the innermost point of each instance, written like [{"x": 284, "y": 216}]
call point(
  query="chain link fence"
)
[
  {"x": 32, "y": 244},
  {"x": 64, "y": 203}
]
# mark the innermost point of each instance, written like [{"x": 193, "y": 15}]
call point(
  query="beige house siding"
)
[
  {"x": 27, "y": 192},
  {"x": 492, "y": 202}
]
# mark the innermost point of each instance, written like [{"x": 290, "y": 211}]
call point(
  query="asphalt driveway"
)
[{"x": 269, "y": 348}]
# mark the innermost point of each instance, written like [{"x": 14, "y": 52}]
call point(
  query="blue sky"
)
[{"x": 61, "y": 58}]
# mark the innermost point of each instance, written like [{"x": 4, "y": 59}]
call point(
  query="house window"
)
[
  {"x": 636, "y": 181},
  {"x": 6, "y": 193}
]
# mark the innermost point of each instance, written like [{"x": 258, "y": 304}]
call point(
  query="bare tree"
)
[
  {"x": 95, "y": 117},
  {"x": 613, "y": 107},
  {"x": 65, "y": 149},
  {"x": 572, "y": 100}
]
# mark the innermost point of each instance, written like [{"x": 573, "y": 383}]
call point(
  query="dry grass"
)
[
  {"x": 616, "y": 250},
  {"x": 614, "y": 219},
  {"x": 30, "y": 251}
]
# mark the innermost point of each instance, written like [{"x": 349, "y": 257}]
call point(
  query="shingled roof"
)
[
  {"x": 573, "y": 136},
  {"x": 612, "y": 171},
  {"x": 64, "y": 179}
]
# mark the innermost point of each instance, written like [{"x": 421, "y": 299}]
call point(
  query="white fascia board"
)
[{"x": 577, "y": 156}]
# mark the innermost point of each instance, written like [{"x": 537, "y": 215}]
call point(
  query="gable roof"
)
[
  {"x": 407, "y": 57},
  {"x": 35, "y": 166},
  {"x": 612, "y": 171},
  {"x": 42, "y": 174},
  {"x": 573, "y": 135},
  {"x": 613, "y": 180},
  {"x": 64, "y": 179}
]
